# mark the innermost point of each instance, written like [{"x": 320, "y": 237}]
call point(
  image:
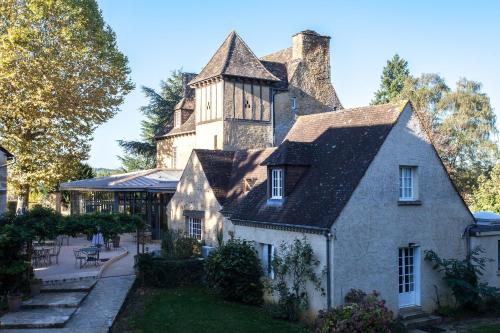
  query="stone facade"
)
[
  {"x": 373, "y": 225},
  {"x": 242, "y": 102},
  {"x": 195, "y": 194}
]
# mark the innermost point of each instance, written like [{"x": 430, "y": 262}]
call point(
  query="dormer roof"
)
[
  {"x": 234, "y": 58},
  {"x": 337, "y": 148}
]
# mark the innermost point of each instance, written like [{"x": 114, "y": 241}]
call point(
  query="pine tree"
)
[
  {"x": 159, "y": 113},
  {"x": 393, "y": 79}
]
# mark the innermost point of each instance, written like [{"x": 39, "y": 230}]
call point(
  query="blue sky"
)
[{"x": 452, "y": 38}]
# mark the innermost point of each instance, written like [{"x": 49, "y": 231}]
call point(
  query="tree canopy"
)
[
  {"x": 61, "y": 75},
  {"x": 393, "y": 79},
  {"x": 487, "y": 195},
  {"x": 158, "y": 114}
]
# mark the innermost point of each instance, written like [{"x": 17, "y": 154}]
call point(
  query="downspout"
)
[
  {"x": 328, "y": 236},
  {"x": 466, "y": 234},
  {"x": 273, "y": 93}
]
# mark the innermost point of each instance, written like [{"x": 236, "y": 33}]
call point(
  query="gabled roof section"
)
[
  {"x": 234, "y": 58},
  {"x": 290, "y": 153},
  {"x": 188, "y": 127},
  {"x": 217, "y": 166},
  {"x": 341, "y": 146}
]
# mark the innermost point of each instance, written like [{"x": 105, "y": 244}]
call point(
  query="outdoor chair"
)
[
  {"x": 93, "y": 257},
  {"x": 55, "y": 252},
  {"x": 79, "y": 256}
]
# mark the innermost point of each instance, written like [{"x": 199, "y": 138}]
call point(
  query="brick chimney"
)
[{"x": 187, "y": 92}]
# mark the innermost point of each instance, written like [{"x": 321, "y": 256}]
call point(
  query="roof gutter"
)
[{"x": 305, "y": 228}]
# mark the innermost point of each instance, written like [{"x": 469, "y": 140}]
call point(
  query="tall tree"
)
[
  {"x": 487, "y": 195},
  {"x": 393, "y": 80},
  {"x": 158, "y": 113},
  {"x": 467, "y": 129},
  {"x": 462, "y": 125},
  {"x": 61, "y": 75}
]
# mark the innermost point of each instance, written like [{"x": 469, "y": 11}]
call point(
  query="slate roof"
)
[
  {"x": 226, "y": 171},
  {"x": 340, "y": 147},
  {"x": 189, "y": 126},
  {"x": 217, "y": 166},
  {"x": 145, "y": 180},
  {"x": 234, "y": 58}
]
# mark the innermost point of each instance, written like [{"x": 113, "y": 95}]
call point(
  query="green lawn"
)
[
  {"x": 194, "y": 310},
  {"x": 486, "y": 329}
]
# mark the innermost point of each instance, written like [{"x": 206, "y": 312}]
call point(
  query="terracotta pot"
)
[
  {"x": 14, "y": 301},
  {"x": 35, "y": 287}
]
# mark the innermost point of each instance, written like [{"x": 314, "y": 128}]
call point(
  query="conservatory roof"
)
[{"x": 153, "y": 180}]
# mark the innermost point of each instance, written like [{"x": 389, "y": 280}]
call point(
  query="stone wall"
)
[
  {"x": 194, "y": 193},
  {"x": 184, "y": 144},
  {"x": 489, "y": 242},
  {"x": 247, "y": 134}
]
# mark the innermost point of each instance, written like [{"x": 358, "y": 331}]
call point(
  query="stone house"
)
[
  {"x": 364, "y": 186},
  {"x": 239, "y": 101},
  {"x": 6, "y": 158}
]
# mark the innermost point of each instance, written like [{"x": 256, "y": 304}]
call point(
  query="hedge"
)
[{"x": 169, "y": 272}]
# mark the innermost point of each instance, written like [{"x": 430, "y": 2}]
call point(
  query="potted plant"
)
[
  {"x": 14, "y": 300},
  {"x": 35, "y": 286}
]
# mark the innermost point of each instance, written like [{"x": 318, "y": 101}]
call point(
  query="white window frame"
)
[
  {"x": 195, "y": 228},
  {"x": 407, "y": 183},
  {"x": 174, "y": 157},
  {"x": 177, "y": 118},
  {"x": 276, "y": 183},
  {"x": 266, "y": 258}
]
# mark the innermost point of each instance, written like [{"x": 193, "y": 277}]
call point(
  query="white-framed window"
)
[
  {"x": 174, "y": 157},
  {"x": 177, "y": 119},
  {"x": 407, "y": 183},
  {"x": 277, "y": 184},
  {"x": 266, "y": 252},
  {"x": 195, "y": 228},
  {"x": 294, "y": 103}
]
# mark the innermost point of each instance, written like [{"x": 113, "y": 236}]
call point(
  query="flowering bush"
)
[{"x": 368, "y": 314}]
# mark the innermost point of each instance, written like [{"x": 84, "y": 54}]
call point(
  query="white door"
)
[{"x": 409, "y": 276}]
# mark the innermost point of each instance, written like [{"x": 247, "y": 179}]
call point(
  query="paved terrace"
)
[{"x": 80, "y": 304}]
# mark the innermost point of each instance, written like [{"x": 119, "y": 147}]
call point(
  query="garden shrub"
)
[
  {"x": 462, "y": 277},
  {"x": 168, "y": 272},
  {"x": 233, "y": 270},
  {"x": 176, "y": 244},
  {"x": 294, "y": 268},
  {"x": 368, "y": 314}
]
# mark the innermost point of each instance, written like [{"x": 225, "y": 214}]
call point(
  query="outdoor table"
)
[{"x": 92, "y": 253}]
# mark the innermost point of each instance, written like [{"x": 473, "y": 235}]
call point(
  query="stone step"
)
[
  {"x": 83, "y": 285},
  {"x": 422, "y": 322},
  {"x": 56, "y": 299},
  {"x": 411, "y": 313},
  {"x": 52, "y": 317}
]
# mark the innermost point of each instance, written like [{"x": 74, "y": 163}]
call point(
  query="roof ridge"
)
[
  {"x": 233, "y": 35},
  {"x": 402, "y": 104},
  {"x": 255, "y": 56}
]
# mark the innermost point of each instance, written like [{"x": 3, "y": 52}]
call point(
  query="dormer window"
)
[
  {"x": 277, "y": 183},
  {"x": 177, "y": 119}
]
